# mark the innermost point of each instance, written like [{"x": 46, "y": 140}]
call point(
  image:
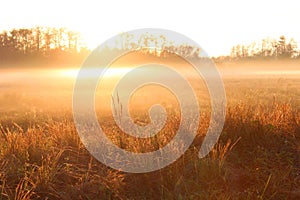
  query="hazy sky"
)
[{"x": 215, "y": 25}]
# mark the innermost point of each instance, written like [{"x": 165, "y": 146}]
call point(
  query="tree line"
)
[
  {"x": 40, "y": 42},
  {"x": 267, "y": 48},
  {"x": 52, "y": 43},
  {"x": 156, "y": 45},
  {"x": 160, "y": 46},
  {"x": 47, "y": 42}
]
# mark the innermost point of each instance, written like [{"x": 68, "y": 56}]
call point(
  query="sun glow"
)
[
  {"x": 202, "y": 23},
  {"x": 109, "y": 73}
]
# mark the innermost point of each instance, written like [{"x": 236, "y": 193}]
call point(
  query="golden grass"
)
[{"x": 257, "y": 157}]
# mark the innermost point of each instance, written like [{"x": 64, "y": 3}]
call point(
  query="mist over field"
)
[
  {"x": 260, "y": 80},
  {"x": 257, "y": 154},
  {"x": 45, "y": 155}
]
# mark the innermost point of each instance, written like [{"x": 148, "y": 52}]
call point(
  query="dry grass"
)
[{"x": 257, "y": 157}]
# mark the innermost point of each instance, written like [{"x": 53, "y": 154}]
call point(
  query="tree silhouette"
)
[
  {"x": 40, "y": 39},
  {"x": 266, "y": 48},
  {"x": 39, "y": 42}
]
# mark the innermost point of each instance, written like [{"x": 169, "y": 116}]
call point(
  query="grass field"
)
[{"x": 256, "y": 157}]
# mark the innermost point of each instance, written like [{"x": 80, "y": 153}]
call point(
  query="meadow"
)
[{"x": 256, "y": 157}]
